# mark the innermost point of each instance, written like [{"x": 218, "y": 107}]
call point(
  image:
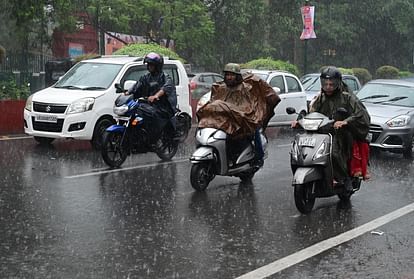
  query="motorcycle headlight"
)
[
  {"x": 399, "y": 121},
  {"x": 81, "y": 105},
  {"x": 121, "y": 110},
  {"x": 29, "y": 103},
  {"x": 310, "y": 124}
]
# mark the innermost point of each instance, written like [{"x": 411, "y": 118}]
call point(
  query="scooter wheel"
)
[
  {"x": 201, "y": 175},
  {"x": 304, "y": 199}
]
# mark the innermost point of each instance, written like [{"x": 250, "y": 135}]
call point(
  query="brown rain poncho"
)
[{"x": 241, "y": 109}]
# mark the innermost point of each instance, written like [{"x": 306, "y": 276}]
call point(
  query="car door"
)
[
  {"x": 277, "y": 81},
  {"x": 295, "y": 97}
]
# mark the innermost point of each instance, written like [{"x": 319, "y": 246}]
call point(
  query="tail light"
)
[{"x": 190, "y": 94}]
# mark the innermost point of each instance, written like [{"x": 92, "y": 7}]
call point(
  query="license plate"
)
[
  {"x": 46, "y": 118},
  {"x": 311, "y": 142}
]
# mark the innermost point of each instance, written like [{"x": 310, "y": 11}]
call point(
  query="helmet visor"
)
[{"x": 329, "y": 84}]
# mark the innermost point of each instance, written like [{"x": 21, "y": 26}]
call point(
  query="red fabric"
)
[{"x": 358, "y": 165}]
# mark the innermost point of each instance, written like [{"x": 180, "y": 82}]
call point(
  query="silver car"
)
[
  {"x": 312, "y": 84},
  {"x": 390, "y": 103}
]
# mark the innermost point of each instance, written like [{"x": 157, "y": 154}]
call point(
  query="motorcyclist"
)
[
  {"x": 240, "y": 105},
  {"x": 160, "y": 91},
  {"x": 353, "y": 126}
]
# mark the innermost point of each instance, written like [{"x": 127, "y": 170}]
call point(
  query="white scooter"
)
[{"x": 216, "y": 155}]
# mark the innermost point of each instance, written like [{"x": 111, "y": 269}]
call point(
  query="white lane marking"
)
[
  {"x": 125, "y": 169},
  {"x": 322, "y": 246}
]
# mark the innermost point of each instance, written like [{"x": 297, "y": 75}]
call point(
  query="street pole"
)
[{"x": 305, "y": 51}]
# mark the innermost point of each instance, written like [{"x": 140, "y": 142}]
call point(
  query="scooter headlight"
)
[
  {"x": 310, "y": 124},
  {"x": 121, "y": 110},
  {"x": 320, "y": 152}
]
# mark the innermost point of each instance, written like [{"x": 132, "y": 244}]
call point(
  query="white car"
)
[
  {"x": 289, "y": 89},
  {"x": 80, "y": 104}
]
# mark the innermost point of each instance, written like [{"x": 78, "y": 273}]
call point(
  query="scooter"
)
[
  {"x": 132, "y": 134},
  {"x": 216, "y": 154},
  {"x": 311, "y": 162}
]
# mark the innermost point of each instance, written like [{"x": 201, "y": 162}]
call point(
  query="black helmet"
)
[
  {"x": 331, "y": 73},
  {"x": 155, "y": 59}
]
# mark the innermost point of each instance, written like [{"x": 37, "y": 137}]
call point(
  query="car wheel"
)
[
  {"x": 98, "y": 132},
  {"x": 43, "y": 140},
  {"x": 408, "y": 150}
]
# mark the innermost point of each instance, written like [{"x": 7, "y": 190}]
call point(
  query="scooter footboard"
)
[
  {"x": 304, "y": 175},
  {"x": 202, "y": 153}
]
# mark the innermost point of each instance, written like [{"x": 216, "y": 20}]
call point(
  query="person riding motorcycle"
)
[
  {"x": 240, "y": 106},
  {"x": 160, "y": 91},
  {"x": 350, "y": 127}
]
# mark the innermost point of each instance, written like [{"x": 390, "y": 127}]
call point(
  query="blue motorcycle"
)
[{"x": 132, "y": 135}]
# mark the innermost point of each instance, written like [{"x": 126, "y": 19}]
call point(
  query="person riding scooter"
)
[
  {"x": 354, "y": 126},
  {"x": 240, "y": 106}
]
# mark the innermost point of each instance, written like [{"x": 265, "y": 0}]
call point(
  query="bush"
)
[
  {"x": 10, "y": 91},
  {"x": 362, "y": 74},
  {"x": 388, "y": 72},
  {"x": 404, "y": 74},
  {"x": 143, "y": 49},
  {"x": 270, "y": 64}
]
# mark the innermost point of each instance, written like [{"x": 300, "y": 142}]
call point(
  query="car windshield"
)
[
  {"x": 311, "y": 83},
  {"x": 393, "y": 94},
  {"x": 89, "y": 76}
]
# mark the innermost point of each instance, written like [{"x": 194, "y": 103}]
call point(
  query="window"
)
[
  {"x": 208, "y": 79},
  {"x": 277, "y": 81},
  {"x": 351, "y": 84},
  {"x": 136, "y": 72},
  {"x": 292, "y": 84}
]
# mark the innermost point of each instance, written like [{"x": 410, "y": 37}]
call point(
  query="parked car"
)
[
  {"x": 80, "y": 104},
  {"x": 200, "y": 83},
  {"x": 390, "y": 103},
  {"x": 289, "y": 89},
  {"x": 312, "y": 84}
]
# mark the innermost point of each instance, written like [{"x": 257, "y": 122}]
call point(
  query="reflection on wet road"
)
[{"x": 64, "y": 214}]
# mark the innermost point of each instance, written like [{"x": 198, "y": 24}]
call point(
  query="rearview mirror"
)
[{"x": 290, "y": 110}]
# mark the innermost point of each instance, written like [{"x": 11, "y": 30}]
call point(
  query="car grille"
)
[
  {"x": 376, "y": 131},
  {"x": 49, "y": 108},
  {"x": 47, "y": 127}
]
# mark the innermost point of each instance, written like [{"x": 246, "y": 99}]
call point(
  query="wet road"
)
[{"x": 64, "y": 214}]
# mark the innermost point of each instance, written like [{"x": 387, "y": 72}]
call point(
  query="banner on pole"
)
[{"x": 308, "y": 14}]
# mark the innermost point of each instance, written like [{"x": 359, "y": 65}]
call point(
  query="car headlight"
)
[
  {"x": 29, "y": 103},
  {"x": 81, "y": 105},
  {"x": 121, "y": 110},
  {"x": 399, "y": 121}
]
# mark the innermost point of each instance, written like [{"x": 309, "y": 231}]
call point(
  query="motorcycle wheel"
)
[
  {"x": 304, "y": 200},
  {"x": 113, "y": 153},
  {"x": 201, "y": 175},
  {"x": 166, "y": 149}
]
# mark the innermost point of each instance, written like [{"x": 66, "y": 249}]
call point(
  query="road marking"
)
[
  {"x": 124, "y": 169},
  {"x": 320, "y": 247}
]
